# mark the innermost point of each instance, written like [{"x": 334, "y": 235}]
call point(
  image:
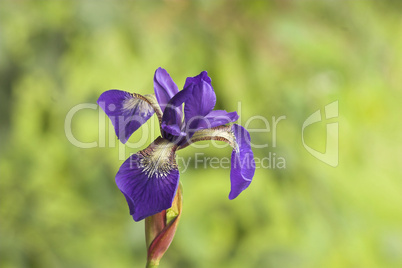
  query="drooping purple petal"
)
[
  {"x": 165, "y": 88},
  {"x": 130, "y": 203},
  {"x": 126, "y": 111},
  {"x": 212, "y": 119},
  {"x": 242, "y": 163},
  {"x": 201, "y": 96},
  {"x": 149, "y": 179}
]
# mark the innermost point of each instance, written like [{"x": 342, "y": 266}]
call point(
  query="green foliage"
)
[{"x": 59, "y": 206}]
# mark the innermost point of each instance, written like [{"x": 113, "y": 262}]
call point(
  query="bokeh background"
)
[{"x": 59, "y": 206}]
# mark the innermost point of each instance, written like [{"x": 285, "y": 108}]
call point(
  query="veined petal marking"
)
[
  {"x": 158, "y": 160},
  {"x": 221, "y": 133},
  {"x": 149, "y": 179},
  {"x": 137, "y": 103},
  {"x": 151, "y": 99},
  {"x": 127, "y": 111}
]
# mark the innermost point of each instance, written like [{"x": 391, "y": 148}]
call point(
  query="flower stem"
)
[{"x": 151, "y": 264}]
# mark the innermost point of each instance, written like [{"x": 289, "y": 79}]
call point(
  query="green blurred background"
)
[{"x": 59, "y": 206}]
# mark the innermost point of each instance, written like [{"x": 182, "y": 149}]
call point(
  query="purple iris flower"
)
[{"x": 149, "y": 178}]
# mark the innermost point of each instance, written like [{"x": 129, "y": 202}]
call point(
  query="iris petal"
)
[
  {"x": 201, "y": 96},
  {"x": 165, "y": 88},
  {"x": 129, "y": 203},
  {"x": 196, "y": 79},
  {"x": 171, "y": 119},
  {"x": 242, "y": 163},
  {"x": 212, "y": 119},
  {"x": 173, "y": 130},
  {"x": 126, "y": 111},
  {"x": 149, "y": 179}
]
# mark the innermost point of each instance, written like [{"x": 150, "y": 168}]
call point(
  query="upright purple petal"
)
[
  {"x": 172, "y": 119},
  {"x": 149, "y": 179},
  {"x": 243, "y": 165},
  {"x": 164, "y": 87},
  {"x": 126, "y": 111},
  {"x": 174, "y": 130},
  {"x": 194, "y": 80},
  {"x": 201, "y": 99}
]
